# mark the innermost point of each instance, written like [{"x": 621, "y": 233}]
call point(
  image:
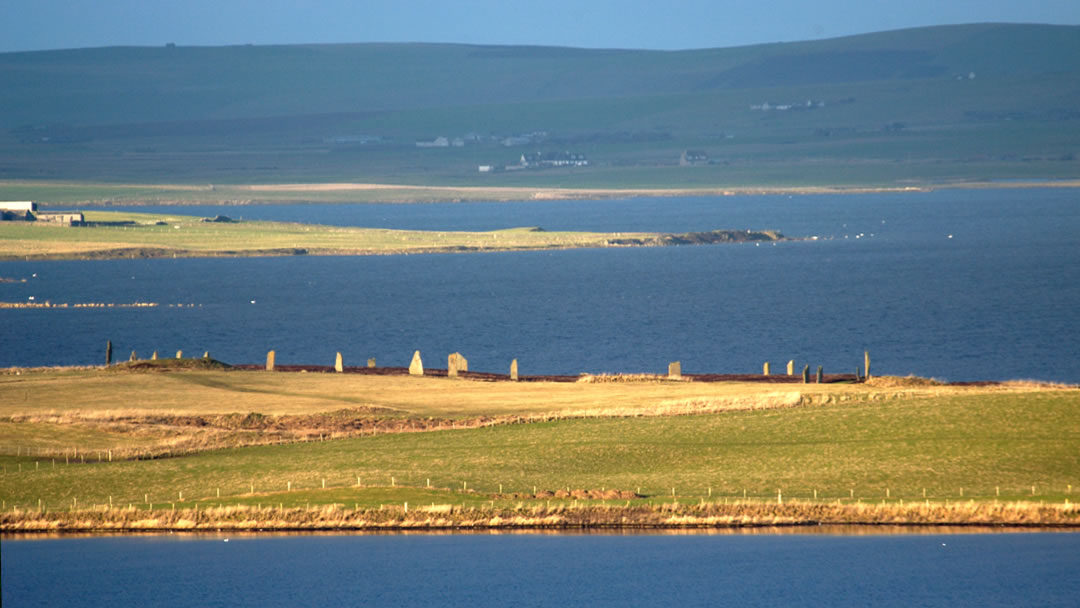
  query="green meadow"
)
[
  {"x": 113, "y": 234},
  {"x": 960, "y": 445}
]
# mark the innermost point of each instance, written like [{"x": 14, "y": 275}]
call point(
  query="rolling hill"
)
[{"x": 920, "y": 106}]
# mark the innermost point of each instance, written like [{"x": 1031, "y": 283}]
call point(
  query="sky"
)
[{"x": 640, "y": 24}]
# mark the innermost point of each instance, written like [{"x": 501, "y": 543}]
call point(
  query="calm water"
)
[
  {"x": 545, "y": 570},
  {"x": 997, "y": 300}
]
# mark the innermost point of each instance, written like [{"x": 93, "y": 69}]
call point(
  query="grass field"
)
[
  {"x": 116, "y": 234},
  {"x": 839, "y": 442}
]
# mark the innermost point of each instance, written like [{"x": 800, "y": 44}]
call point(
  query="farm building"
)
[
  {"x": 65, "y": 218},
  {"x": 693, "y": 157},
  {"x": 26, "y": 211},
  {"x": 17, "y": 210},
  {"x": 554, "y": 159}
]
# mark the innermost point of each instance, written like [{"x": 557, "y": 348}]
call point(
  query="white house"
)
[
  {"x": 17, "y": 211},
  {"x": 18, "y": 206}
]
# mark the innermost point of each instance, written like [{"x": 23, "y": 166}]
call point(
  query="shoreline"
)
[
  {"x": 538, "y": 240},
  {"x": 323, "y": 192},
  {"x": 568, "y": 517}
]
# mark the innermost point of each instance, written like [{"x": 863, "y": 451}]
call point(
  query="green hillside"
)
[{"x": 953, "y": 103}]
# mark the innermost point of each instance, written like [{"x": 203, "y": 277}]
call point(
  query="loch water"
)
[
  {"x": 954, "y": 284},
  {"x": 1016, "y": 569}
]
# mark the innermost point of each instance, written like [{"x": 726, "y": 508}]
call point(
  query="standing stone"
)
[
  {"x": 133, "y": 357},
  {"x": 866, "y": 364},
  {"x": 339, "y": 367},
  {"x": 765, "y": 369},
  {"x": 371, "y": 362},
  {"x": 108, "y": 353},
  {"x": 270, "y": 357},
  {"x": 674, "y": 370},
  {"x": 153, "y": 357},
  {"x": 206, "y": 355},
  {"x": 806, "y": 374},
  {"x": 791, "y": 367},
  {"x": 456, "y": 362},
  {"x": 820, "y": 375},
  {"x": 514, "y": 370},
  {"x": 416, "y": 367},
  {"x": 179, "y": 354}
]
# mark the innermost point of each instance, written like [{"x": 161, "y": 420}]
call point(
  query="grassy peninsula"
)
[
  {"x": 109, "y": 234},
  {"x": 97, "y": 449}
]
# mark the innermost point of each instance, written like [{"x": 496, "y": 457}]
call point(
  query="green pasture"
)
[
  {"x": 977, "y": 446},
  {"x": 187, "y": 235}
]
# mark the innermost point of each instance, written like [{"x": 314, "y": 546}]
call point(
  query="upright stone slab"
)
[
  {"x": 866, "y": 364},
  {"x": 133, "y": 357},
  {"x": 820, "y": 375},
  {"x": 455, "y": 363},
  {"x": 674, "y": 370},
  {"x": 371, "y": 362},
  {"x": 270, "y": 356},
  {"x": 153, "y": 357},
  {"x": 806, "y": 374},
  {"x": 108, "y": 353},
  {"x": 339, "y": 367},
  {"x": 179, "y": 354},
  {"x": 514, "y": 370},
  {"x": 765, "y": 369},
  {"x": 791, "y": 367},
  {"x": 416, "y": 367},
  {"x": 206, "y": 355}
]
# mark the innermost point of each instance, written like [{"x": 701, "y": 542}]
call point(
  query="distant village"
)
[
  {"x": 27, "y": 211},
  {"x": 528, "y": 160}
]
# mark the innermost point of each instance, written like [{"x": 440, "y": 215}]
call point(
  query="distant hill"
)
[{"x": 996, "y": 94}]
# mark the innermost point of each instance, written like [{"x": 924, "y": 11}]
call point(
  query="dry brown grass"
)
[
  {"x": 544, "y": 516},
  {"x": 168, "y": 413},
  {"x": 1037, "y": 385},
  {"x": 625, "y": 378},
  {"x": 901, "y": 381}
]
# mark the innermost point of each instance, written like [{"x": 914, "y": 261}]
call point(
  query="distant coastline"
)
[
  {"x": 117, "y": 235},
  {"x": 361, "y": 192}
]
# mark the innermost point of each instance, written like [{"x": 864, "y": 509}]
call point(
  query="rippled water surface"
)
[
  {"x": 959, "y": 285},
  {"x": 545, "y": 570}
]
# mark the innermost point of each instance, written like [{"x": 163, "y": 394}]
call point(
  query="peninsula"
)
[{"x": 108, "y": 234}]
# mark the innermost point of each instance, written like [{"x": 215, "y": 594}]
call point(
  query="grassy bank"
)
[
  {"x": 121, "y": 235},
  {"x": 835, "y": 443},
  {"x": 673, "y": 515}
]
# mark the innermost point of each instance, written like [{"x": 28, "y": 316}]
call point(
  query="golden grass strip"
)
[{"x": 543, "y": 516}]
